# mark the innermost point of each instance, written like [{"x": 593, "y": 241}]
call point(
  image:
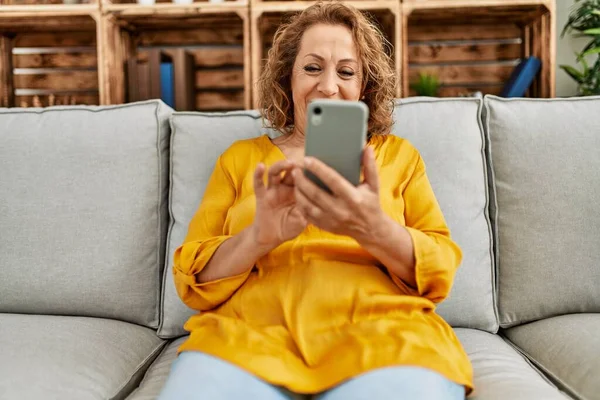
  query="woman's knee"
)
[
  {"x": 397, "y": 383},
  {"x": 197, "y": 375}
]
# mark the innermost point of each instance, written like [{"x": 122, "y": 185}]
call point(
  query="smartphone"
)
[{"x": 336, "y": 134}]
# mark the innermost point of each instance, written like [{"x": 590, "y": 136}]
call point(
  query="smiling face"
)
[{"x": 326, "y": 67}]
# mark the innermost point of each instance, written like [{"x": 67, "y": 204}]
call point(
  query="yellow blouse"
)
[{"x": 319, "y": 309}]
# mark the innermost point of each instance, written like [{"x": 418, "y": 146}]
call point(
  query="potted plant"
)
[
  {"x": 585, "y": 20},
  {"x": 426, "y": 85}
]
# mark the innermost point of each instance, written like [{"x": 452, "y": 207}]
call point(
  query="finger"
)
[
  {"x": 315, "y": 194},
  {"x": 276, "y": 170},
  {"x": 336, "y": 183},
  {"x": 370, "y": 169},
  {"x": 259, "y": 184},
  {"x": 288, "y": 179},
  {"x": 311, "y": 211}
]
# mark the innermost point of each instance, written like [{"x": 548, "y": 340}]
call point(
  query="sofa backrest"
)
[
  {"x": 545, "y": 161},
  {"x": 83, "y": 210},
  {"x": 447, "y": 133}
]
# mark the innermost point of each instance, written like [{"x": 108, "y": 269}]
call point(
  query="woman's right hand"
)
[{"x": 277, "y": 218}]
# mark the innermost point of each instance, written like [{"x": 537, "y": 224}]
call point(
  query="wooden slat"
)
[
  {"x": 30, "y": 2},
  {"x": 457, "y": 91},
  {"x": 56, "y": 60},
  {"x": 209, "y": 56},
  {"x": 436, "y": 53},
  {"x": 6, "y": 76},
  {"x": 114, "y": 44},
  {"x": 60, "y": 99},
  {"x": 220, "y": 79},
  {"x": 220, "y": 100},
  {"x": 500, "y": 12},
  {"x": 461, "y": 74},
  {"x": 432, "y": 31},
  {"x": 40, "y": 24},
  {"x": 56, "y": 39},
  {"x": 68, "y": 80},
  {"x": 183, "y": 63},
  {"x": 196, "y": 36}
]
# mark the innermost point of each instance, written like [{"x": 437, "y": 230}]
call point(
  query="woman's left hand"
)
[{"x": 349, "y": 210}]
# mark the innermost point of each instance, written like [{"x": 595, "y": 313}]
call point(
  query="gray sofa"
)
[{"x": 94, "y": 200}]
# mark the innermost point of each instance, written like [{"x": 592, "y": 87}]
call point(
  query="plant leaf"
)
[
  {"x": 573, "y": 73},
  {"x": 595, "y": 50},
  {"x": 593, "y": 31}
]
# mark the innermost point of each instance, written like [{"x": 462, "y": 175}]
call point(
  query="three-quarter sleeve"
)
[
  {"x": 437, "y": 256},
  {"x": 205, "y": 235}
]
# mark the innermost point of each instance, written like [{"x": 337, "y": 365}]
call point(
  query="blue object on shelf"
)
[
  {"x": 167, "y": 92},
  {"x": 522, "y": 77}
]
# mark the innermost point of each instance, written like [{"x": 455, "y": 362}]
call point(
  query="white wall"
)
[{"x": 565, "y": 50}]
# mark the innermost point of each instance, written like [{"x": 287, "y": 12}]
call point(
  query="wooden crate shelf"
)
[
  {"x": 110, "y": 4},
  {"x": 82, "y": 52},
  {"x": 50, "y": 56},
  {"x": 300, "y": 4},
  {"x": 266, "y": 17},
  {"x": 214, "y": 36},
  {"x": 167, "y": 7},
  {"x": 34, "y": 6},
  {"x": 480, "y": 44}
]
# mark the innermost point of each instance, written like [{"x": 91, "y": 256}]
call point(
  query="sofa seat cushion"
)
[
  {"x": 157, "y": 374},
  {"x": 567, "y": 348},
  {"x": 54, "y": 357},
  {"x": 500, "y": 371}
]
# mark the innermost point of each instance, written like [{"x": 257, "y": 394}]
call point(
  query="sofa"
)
[{"x": 95, "y": 200}]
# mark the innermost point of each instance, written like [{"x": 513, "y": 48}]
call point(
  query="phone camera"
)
[{"x": 318, "y": 111}]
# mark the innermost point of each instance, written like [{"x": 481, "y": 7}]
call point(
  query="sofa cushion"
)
[
  {"x": 83, "y": 210},
  {"x": 566, "y": 348},
  {"x": 157, "y": 373},
  {"x": 454, "y": 156},
  {"x": 544, "y": 156},
  {"x": 197, "y": 141},
  {"x": 53, "y": 357},
  {"x": 449, "y": 136},
  {"x": 500, "y": 372}
]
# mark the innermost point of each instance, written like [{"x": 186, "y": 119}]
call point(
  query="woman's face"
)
[{"x": 326, "y": 67}]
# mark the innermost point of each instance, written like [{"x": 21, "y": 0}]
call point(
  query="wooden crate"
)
[
  {"x": 266, "y": 17},
  {"x": 214, "y": 36},
  {"x": 474, "y": 46},
  {"x": 49, "y": 57},
  {"x": 44, "y": 5},
  {"x": 260, "y": 3},
  {"x": 109, "y": 4}
]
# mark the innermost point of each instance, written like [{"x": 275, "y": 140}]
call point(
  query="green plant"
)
[
  {"x": 585, "y": 19},
  {"x": 426, "y": 85}
]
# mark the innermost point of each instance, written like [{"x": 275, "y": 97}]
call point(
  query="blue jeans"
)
[{"x": 195, "y": 375}]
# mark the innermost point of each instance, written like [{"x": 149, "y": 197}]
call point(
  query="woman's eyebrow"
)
[{"x": 322, "y": 59}]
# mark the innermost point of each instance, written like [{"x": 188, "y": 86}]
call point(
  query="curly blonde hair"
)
[{"x": 378, "y": 78}]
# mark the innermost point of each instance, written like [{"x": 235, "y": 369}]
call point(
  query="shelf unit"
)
[
  {"x": 267, "y": 15},
  {"x": 49, "y": 54},
  {"x": 216, "y": 36},
  {"x": 82, "y": 51},
  {"x": 480, "y": 44}
]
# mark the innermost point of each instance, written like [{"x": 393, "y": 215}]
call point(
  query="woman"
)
[{"x": 307, "y": 293}]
